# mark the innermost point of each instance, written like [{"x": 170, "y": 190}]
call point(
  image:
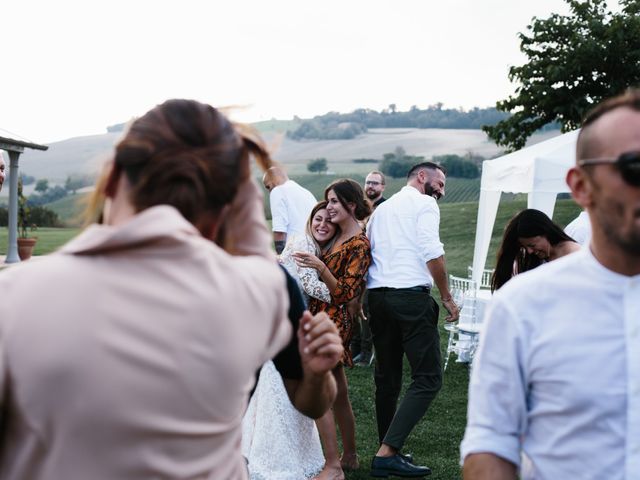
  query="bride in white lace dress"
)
[{"x": 278, "y": 442}]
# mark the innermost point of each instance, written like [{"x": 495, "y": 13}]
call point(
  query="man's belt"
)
[{"x": 418, "y": 288}]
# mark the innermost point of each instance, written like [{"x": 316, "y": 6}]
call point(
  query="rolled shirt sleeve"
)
[
  {"x": 497, "y": 412},
  {"x": 429, "y": 244}
]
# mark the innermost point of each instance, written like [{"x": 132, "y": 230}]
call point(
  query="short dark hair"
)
[
  {"x": 376, "y": 172},
  {"x": 425, "y": 165},
  {"x": 586, "y": 144}
]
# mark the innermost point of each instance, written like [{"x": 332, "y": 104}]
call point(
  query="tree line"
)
[
  {"x": 397, "y": 164},
  {"x": 334, "y": 125},
  {"x": 34, "y": 205}
]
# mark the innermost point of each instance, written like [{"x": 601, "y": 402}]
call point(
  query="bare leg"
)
[
  {"x": 346, "y": 421},
  {"x": 327, "y": 430}
]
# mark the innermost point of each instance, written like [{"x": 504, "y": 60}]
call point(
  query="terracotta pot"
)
[{"x": 25, "y": 247}]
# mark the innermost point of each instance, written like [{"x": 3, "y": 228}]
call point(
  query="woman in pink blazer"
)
[{"x": 130, "y": 352}]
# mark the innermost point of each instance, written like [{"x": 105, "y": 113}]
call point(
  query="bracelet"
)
[{"x": 448, "y": 299}]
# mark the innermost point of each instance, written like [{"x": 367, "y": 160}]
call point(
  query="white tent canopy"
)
[{"x": 538, "y": 170}]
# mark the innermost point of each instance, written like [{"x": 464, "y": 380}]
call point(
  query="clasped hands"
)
[{"x": 308, "y": 260}]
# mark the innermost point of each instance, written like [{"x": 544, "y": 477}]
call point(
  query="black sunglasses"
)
[{"x": 628, "y": 164}]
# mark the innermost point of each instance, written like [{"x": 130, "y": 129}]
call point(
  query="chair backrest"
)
[
  {"x": 464, "y": 284},
  {"x": 485, "y": 280}
]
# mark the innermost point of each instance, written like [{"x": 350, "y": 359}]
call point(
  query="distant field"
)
[
  {"x": 376, "y": 142},
  {"x": 86, "y": 154},
  {"x": 276, "y": 126},
  {"x": 70, "y": 208},
  {"x": 457, "y": 189}
]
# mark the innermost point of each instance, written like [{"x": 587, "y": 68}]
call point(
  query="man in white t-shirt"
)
[
  {"x": 291, "y": 205},
  {"x": 580, "y": 228},
  {"x": 555, "y": 388}
]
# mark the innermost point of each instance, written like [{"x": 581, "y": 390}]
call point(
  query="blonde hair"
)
[{"x": 319, "y": 249}]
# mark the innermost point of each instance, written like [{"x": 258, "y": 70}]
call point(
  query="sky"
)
[{"x": 73, "y": 67}]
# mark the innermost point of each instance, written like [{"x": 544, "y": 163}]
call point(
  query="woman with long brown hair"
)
[
  {"x": 530, "y": 239},
  {"x": 343, "y": 269}
]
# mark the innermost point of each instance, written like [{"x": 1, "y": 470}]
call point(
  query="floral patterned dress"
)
[{"x": 349, "y": 263}]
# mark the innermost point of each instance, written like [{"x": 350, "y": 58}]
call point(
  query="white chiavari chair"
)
[
  {"x": 485, "y": 280},
  {"x": 463, "y": 292}
]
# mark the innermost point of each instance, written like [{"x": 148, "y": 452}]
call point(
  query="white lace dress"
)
[
  {"x": 307, "y": 278},
  {"x": 278, "y": 441}
]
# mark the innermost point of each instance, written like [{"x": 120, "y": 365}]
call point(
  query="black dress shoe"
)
[{"x": 398, "y": 466}]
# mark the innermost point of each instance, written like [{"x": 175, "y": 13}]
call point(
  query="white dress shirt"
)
[
  {"x": 557, "y": 374},
  {"x": 404, "y": 236},
  {"x": 291, "y": 206}
]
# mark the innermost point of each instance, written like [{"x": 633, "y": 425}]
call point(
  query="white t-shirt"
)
[
  {"x": 291, "y": 206},
  {"x": 580, "y": 229}
]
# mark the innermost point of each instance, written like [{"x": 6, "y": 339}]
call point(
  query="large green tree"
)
[{"x": 574, "y": 62}]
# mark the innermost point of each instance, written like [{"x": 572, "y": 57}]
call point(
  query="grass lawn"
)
[
  {"x": 48, "y": 239},
  {"x": 435, "y": 440}
]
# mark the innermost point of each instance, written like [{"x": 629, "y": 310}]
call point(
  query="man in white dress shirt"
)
[
  {"x": 291, "y": 206},
  {"x": 408, "y": 258},
  {"x": 555, "y": 389}
]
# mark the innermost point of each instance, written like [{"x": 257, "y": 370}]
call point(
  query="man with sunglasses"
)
[{"x": 555, "y": 389}]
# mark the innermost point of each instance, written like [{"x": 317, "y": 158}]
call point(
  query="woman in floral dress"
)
[{"x": 343, "y": 269}]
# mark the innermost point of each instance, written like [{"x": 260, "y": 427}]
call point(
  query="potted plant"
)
[{"x": 25, "y": 242}]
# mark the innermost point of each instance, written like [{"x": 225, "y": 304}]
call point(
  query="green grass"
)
[
  {"x": 457, "y": 189},
  {"x": 436, "y": 439},
  {"x": 49, "y": 239},
  {"x": 70, "y": 208}
]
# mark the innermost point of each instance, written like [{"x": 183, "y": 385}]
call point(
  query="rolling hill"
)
[{"x": 86, "y": 154}]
